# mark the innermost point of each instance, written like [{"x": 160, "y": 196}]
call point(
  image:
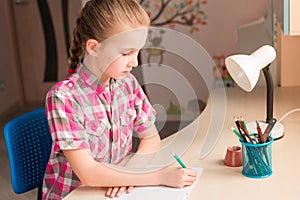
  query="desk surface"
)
[{"x": 221, "y": 182}]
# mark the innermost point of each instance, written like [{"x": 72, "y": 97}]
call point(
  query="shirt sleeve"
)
[
  {"x": 65, "y": 120},
  {"x": 145, "y": 112}
]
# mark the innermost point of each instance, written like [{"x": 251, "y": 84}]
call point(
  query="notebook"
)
[{"x": 159, "y": 192}]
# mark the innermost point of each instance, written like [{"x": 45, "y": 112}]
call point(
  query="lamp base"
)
[{"x": 277, "y": 131}]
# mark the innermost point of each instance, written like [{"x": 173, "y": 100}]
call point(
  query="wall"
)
[
  {"x": 23, "y": 51},
  {"x": 288, "y": 42},
  {"x": 12, "y": 93},
  {"x": 224, "y": 18},
  {"x": 287, "y": 14},
  {"x": 288, "y": 58},
  {"x": 294, "y": 17},
  {"x": 219, "y": 37}
]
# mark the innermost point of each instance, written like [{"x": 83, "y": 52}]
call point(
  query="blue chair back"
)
[{"x": 28, "y": 143}]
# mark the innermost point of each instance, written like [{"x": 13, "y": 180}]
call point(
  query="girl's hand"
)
[
  {"x": 118, "y": 191},
  {"x": 177, "y": 177}
]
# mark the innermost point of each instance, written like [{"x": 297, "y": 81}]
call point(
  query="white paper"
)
[{"x": 159, "y": 192}]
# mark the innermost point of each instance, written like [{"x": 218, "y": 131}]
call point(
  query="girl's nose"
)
[{"x": 134, "y": 61}]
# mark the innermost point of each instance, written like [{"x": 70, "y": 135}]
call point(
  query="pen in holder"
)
[{"x": 257, "y": 158}]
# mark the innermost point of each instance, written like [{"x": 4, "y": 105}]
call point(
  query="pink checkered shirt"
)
[{"x": 84, "y": 113}]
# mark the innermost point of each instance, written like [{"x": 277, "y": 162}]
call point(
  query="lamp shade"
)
[{"x": 245, "y": 69}]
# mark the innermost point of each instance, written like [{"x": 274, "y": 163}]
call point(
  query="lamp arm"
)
[{"x": 270, "y": 92}]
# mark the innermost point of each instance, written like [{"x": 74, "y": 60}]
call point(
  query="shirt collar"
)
[{"x": 92, "y": 81}]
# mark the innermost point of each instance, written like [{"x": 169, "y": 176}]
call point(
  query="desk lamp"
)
[{"x": 245, "y": 69}]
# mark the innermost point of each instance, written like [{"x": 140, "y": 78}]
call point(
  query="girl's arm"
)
[
  {"x": 148, "y": 147},
  {"x": 149, "y": 140},
  {"x": 93, "y": 173}
]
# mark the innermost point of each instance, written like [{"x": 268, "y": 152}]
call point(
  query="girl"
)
[{"x": 93, "y": 113}]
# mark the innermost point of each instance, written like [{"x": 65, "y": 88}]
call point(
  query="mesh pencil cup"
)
[{"x": 257, "y": 159}]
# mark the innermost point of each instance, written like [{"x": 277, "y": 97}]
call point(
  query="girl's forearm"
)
[
  {"x": 102, "y": 175},
  {"x": 93, "y": 173}
]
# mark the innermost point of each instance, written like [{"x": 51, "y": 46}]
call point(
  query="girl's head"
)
[{"x": 99, "y": 20}]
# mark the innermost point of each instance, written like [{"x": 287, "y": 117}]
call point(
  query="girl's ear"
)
[{"x": 90, "y": 46}]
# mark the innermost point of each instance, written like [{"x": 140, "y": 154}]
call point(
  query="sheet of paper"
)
[{"x": 159, "y": 192}]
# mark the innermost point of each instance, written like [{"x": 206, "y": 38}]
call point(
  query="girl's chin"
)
[{"x": 122, "y": 75}]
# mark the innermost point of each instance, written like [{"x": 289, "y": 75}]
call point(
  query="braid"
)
[{"x": 75, "y": 49}]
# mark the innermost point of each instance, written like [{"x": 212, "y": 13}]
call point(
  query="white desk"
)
[{"x": 221, "y": 182}]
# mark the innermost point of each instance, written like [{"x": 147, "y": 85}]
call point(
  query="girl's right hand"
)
[{"x": 177, "y": 177}]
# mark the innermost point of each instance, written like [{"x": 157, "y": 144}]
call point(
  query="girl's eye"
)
[{"x": 127, "y": 53}]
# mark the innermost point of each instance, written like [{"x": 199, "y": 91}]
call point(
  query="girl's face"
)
[
  {"x": 120, "y": 67},
  {"x": 117, "y": 56}
]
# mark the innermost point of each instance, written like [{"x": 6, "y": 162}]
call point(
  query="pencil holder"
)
[
  {"x": 233, "y": 157},
  {"x": 257, "y": 159}
]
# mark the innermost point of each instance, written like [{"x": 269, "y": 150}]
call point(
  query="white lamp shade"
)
[{"x": 245, "y": 69}]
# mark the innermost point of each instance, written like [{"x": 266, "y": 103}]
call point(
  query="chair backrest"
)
[{"x": 28, "y": 143}]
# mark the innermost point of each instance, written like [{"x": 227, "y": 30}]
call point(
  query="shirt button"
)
[{"x": 70, "y": 84}]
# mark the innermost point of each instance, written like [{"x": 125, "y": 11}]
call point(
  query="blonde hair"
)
[{"x": 98, "y": 18}]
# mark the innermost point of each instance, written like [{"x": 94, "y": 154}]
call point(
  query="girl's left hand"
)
[{"x": 118, "y": 191}]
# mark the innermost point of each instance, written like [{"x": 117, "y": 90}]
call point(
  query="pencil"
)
[
  {"x": 178, "y": 160},
  {"x": 239, "y": 129},
  {"x": 245, "y": 131},
  {"x": 261, "y": 137},
  {"x": 244, "y": 124}
]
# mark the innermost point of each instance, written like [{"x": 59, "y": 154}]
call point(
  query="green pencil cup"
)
[{"x": 257, "y": 159}]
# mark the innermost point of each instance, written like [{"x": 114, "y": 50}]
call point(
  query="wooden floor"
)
[{"x": 6, "y": 191}]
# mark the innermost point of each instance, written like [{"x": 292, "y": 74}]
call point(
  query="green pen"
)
[
  {"x": 178, "y": 160},
  {"x": 237, "y": 133}
]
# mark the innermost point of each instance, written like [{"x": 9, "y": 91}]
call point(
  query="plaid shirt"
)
[{"x": 84, "y": 113}]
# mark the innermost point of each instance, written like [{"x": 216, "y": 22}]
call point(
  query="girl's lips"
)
[{"x": 124, "y": 73}]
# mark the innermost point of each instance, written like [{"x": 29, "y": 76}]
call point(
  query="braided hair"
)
[{"x": 97, "y": 19}]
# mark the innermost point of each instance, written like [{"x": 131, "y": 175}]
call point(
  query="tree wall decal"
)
[
  {"x": 187, "y": 13},
  {"x": 174, "y": 14}
]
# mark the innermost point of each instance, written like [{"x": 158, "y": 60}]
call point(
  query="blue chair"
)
[{"x": 28, "y": 143}]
